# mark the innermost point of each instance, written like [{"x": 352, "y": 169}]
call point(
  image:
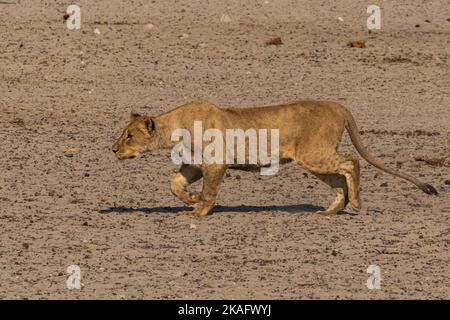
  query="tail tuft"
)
[{"x": 429, "y": 189}]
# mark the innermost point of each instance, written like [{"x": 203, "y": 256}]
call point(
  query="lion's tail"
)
[{"x": 353, "y": 132}]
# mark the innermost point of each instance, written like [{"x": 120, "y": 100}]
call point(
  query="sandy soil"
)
[{"x": 118, "y": 221}]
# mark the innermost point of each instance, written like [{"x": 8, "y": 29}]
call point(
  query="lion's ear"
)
[
  {"x": 133, "y": 116},
  {"x": 150, "y": 123}
]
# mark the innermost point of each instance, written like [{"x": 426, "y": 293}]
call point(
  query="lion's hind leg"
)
[
  {"x": 339, "y": 184},
  {"x": 338, "y": 171},
  {"x": 350, "y": 169}
]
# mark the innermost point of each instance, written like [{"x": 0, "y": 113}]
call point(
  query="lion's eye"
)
[{"x": 129, "y": 136}]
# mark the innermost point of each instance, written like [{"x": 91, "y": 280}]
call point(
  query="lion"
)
[{"x": 309, "y": 135}]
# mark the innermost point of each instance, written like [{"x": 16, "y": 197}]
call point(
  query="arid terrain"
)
[{"x": 65, "y": 96}]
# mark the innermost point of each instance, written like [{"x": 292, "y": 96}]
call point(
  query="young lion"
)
[{"x": 309, "y": 134}]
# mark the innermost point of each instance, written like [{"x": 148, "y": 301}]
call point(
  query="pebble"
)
[
  {"x": 149, "y": 26},
  {"x": 70, "y": 152},
  {"x": 225, "y": 18}
]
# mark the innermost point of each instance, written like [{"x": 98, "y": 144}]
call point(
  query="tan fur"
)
[{"x": 309, "y": 134}]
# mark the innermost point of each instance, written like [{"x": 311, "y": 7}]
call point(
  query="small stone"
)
[
  {"x": 192, "y": 226},
  {"x": 341, "y": 19},
  {"x": 70, "y": 152},
  {"x": 149, "y": 26},
  {"x": 97, "y": 31},
  {"x": 225, "y": 18},
  {"x": 178, "y": 274}
]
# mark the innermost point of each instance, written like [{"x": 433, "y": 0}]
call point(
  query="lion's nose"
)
[{"x": 115, "y": 149}]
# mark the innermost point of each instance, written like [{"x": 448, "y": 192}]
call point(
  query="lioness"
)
[{"x": 309, "y": 134}]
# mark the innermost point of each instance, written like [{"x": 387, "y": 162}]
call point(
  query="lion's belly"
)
[{"x": 256, "y": 167}]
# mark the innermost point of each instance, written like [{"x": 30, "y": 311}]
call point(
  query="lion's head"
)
[{"x": 136, "y": 137}]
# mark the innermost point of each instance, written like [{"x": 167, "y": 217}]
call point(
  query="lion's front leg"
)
[
  {"x": 212, "y": 177},
  {"x": 187, "y": 175}
]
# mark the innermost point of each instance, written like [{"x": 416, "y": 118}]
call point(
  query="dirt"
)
[{"x": 66, "y": 200}]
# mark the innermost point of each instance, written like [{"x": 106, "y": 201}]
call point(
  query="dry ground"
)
[{"x": 117, "y": 220}]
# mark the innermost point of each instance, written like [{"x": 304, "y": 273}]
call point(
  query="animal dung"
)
[
  {"x": 274, "y": 42},
  {"x": 357, "y": 44}
]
